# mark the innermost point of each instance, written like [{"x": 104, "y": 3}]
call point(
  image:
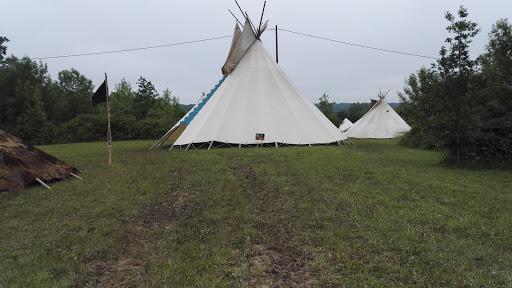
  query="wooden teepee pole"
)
[
  {"x": 109, "y": 134},
  {"x": 42, "y": 183},
  {"x": 277, "y": 50}
]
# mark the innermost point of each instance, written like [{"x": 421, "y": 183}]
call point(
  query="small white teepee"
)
[
  {"x": 254, "y": 104},
  {"x": 380, "y": 122},
  {"x": 345, "y": 125}
]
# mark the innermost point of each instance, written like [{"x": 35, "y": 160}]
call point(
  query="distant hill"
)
[
  {"x": 337, "y": 106},
  {"x": 186, "y": 107},
  {"x": 344, "y": 106}
]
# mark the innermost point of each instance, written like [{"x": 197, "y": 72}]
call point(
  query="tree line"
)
[
  {"x": 41, "y": 110},
  {"x": 461, "y": 105},
  {"x": 351, "y": 111}
]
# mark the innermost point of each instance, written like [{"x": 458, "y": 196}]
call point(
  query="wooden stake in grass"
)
[
  {"x": 42, "y": 183},
  {"x": 76, "y": 176}
]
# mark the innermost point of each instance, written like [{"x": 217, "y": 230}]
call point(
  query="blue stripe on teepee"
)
[{"x": 198, "y": 108}]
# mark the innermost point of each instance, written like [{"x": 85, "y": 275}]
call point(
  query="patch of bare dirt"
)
[
  {"x": 163, "y": 214},
  {"x": 122, "y": 273},
  {"x": 268, "y": 268},
  {"x": 128, "y": 268},
  {"x": 283, "y": 262}
]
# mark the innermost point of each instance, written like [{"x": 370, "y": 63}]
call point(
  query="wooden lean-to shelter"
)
[{"x": 22, "y": 165}]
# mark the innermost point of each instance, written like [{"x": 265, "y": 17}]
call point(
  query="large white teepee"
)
[
  {"x": 380, "y": 122},
  {"x": 345, "y": 125},
  {"x": 254, "y": 97}
]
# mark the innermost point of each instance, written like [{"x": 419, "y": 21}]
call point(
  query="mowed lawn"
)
[{"x": 374, "y": 214}]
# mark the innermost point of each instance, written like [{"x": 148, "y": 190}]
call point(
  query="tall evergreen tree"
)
[
  {"x": 453, "y": 119},
  {"x": 441, "y": 102}
]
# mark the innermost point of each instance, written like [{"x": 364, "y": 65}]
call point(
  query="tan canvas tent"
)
[{"x": 22, "y": 165}]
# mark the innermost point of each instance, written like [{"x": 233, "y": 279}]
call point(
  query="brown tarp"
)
[{"x": 21, "y": 164}]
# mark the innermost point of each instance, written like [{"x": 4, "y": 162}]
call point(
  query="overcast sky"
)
[{"x": 348, "y": 74}]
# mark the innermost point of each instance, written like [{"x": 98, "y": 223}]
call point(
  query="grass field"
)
[{"x": 371, "y": 215}]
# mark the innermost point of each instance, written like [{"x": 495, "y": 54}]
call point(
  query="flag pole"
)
[{"x": 109, "y": 134}]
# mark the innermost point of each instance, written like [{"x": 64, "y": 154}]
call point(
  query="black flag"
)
[{"x": 100, "y": 95}]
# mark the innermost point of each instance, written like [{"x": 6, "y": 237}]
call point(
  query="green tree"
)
[
  {"x": 166, "y": 111},
  {"x": 3, "y": 48},
  {"x": 31, "y": 123},
  {"x": 440, "y": 103},
  {"x": 416, "y": 108},
  {"x": 497, "y": 70},
  {"x": 495, "y": 97},
  {"x": 453, "y": 119},
  {"x": 14, "y": 72},
  {"x": 357, "y": 110},
  {"x": 324, "y": 105},
  {"x": 74, "y": 96},
  {"x": 326, "y": 108},
  {"x": 341, "y": 115},
  {"x": 172, "y": 106},
  {"x": 145, "y": 98},
  {"x": 415, "y": 101},
  {"x": 122, "y": 99}
]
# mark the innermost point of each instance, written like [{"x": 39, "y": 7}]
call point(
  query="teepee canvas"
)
[
  {"x": 254, "y": 104},
  {"x": 380, "y": 122},
  {"x": 345, "y": 125}
]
